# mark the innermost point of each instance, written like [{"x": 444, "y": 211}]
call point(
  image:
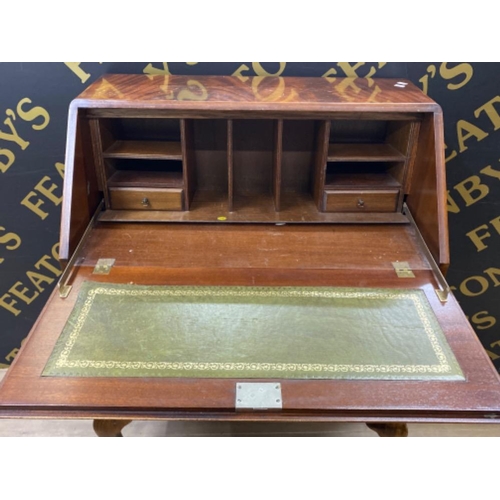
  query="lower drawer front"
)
[
  {"x": 145, "y": 199},
  {"x": 362, "y": 201}
]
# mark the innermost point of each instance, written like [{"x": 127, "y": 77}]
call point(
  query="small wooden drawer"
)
[
  {"x": 362, "y": 201},
  {"x": 145, "y": 199}
]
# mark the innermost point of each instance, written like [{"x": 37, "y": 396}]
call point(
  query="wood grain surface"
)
[
  {"x": 295, "y": 255},
  {"x": 248, "y": 162}
]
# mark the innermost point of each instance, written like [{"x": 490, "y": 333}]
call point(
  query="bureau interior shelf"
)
[
  {"x": 147, "y": 150},
  {"x": 363, "y": 153},
  {"x": 254, "y": 170},
  {"x": 360, "y": 180},
  {"x": 146, "y": 178}
]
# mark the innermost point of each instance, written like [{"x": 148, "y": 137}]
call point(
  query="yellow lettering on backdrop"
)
[
  {"x": 451, "y": 205},
  {"x": 8, "y": 156},
  {"x": 431, "y": 70},
  {"x": 47, "y": 192},
  {"x": 483, "y": 320},
  {"x": 239, "y": 72},
  {"x": 7, "y": 302},
  {"x": 350, "y": 70},
  {"x": 329, "y": 73},
  {"x": 33, "y": 114},
  {"x": 260, "y": 71},
  {"x": 471, "y": 131},
  {"x": 451, "y": 155},
  {"x": 472, "y": 189},
  {"x": 151, "y": 70},
  {"x": 79, "y": 72},
  {"x": 37, "y": 278},
  {"x": 493, "y": 273},
  {"x": 373, "y": 70},
  {"x": 480, "y": 286},
  {"x": 60, "y": 169},
  {"x": 12, "y": 354},
  {"x": 491, "y": 172},
  {"x": 12, "y": 241},
  {"x": 492, "y": 355},
  {"x": 477, "y": 238},
  {"x": 464, "y": 69},
  {"x": 13, "y": 136},
  {"x": 47, "y": 265},
  {"x": 22, "y": 293},
  {"x": 34, "y": 207},
  {"x": 490, "y": 111},
  {"x": 10, "y": 159},
  {"x": 448, "y": 73}
]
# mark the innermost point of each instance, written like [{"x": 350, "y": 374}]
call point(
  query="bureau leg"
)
[
  {"x": 110, "y": 428},
  {"x": 389, "y": 430}
]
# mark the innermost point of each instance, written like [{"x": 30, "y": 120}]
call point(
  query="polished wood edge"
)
[
  {"x": 118, "y": 110},
  {"x": 175, "y": 216},
  {"x": 64, "y": 250},
  {"x": 389, "y": 429},
  {"x": 444, "y": 245},
  {"x": 230, "y": 416},
  {"x": 110, "y": 428}
]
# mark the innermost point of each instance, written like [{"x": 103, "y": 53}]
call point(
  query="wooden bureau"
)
[{"x": 254, "y": 181}]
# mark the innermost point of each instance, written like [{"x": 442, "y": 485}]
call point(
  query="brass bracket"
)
[
  {"x": 63, "y": 283},
  {"x": 403, "y": 269},
  {"x": 444, "y": 290},
  {"x": 103, "y": 266}
]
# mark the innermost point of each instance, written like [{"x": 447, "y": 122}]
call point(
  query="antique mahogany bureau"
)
[{"x": 255, "y": 182}]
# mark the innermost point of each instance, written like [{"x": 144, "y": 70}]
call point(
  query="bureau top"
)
[{"x": 232, "y": 93}]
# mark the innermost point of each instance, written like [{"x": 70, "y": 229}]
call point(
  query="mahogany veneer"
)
[{"x": 255, "y": 181}]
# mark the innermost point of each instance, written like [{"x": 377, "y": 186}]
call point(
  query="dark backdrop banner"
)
[{"x": 34, "y": 99}]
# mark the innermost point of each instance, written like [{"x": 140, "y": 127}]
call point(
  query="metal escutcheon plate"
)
[{"x": 258, "y": 396}]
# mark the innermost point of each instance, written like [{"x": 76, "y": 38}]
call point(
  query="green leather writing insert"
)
[{"x": 252, "y": 332}]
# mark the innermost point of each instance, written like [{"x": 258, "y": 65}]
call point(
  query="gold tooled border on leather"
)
[{"x": 417, "y": 297}]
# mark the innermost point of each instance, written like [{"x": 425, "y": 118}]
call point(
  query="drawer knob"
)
[
  {"x": 145, "y": 202},
  {"x": 361, "y": 203}
]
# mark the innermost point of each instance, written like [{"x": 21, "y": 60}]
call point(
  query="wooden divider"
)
[
  {"x": 188, "y": 161},
  {"x": 277, "y": 160},
  {"x": 230, "y": 167},
  {"x": 321, "y": 156}
]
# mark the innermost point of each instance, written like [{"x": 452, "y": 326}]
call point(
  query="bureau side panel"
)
[
  {"x": 427, "y": 192},
  {"x": 81, "y": 191}
]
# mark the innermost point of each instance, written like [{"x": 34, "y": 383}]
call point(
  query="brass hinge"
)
[
  {"x": 103, "y": 266},
  {"x": 403, "y": 269}
]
